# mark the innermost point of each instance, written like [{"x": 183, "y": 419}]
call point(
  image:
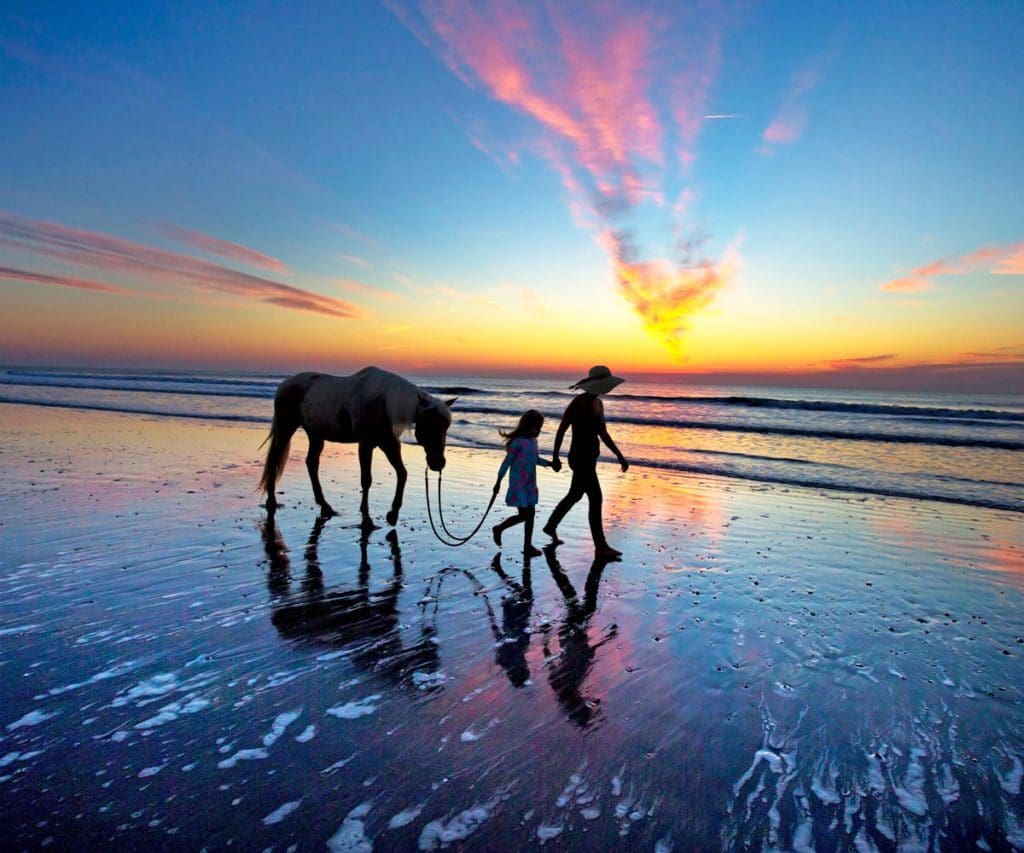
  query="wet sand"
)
[{"x": 766, "y": 667}]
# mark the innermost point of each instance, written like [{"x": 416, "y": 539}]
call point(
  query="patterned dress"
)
[{"x": 521, "y": 460}]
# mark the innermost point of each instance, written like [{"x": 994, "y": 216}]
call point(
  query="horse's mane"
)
[{"x": 401, "y": 398}]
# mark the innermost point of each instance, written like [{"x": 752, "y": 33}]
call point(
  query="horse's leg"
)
[
  {"x": 365, "y": 481},
  {"x": 316, "y": 447},
  {"x": 393, "y": 451}
]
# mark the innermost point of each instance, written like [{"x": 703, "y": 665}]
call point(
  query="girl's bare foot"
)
[{"x": 496, "y": 532}]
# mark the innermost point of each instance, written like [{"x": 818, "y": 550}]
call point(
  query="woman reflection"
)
[{"x": 568, "y": 670}]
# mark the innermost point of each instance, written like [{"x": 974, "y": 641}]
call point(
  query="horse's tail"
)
[{"x": 286, "y": 420}]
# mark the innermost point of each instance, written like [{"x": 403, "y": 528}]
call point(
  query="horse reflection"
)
[
  {"x": 363, "y": 621},
  {"x": 568, "y": 670}
]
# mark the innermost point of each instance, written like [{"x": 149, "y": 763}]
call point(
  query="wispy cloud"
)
[
  {"x": 352, "y": 233},
  {"x": 1013, "y": 264},
  {"x": 12, "y": 274},
  {"x": 790, "y": 121},
  {"x": 358, "y": 288},
  {"x": 355, "y": 259},
  {"x": 1001, "y": 260},
  {"x": 619, "y": 96},
  {"x": 109, "y": 255},
  {"x": 223, "y": 249},
  {"x": 860, "y": 361}
]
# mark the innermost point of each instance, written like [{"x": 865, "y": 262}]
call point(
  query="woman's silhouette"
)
[
  {"x": 572, "y": 665},
  {"x": 585, "y": 414}
]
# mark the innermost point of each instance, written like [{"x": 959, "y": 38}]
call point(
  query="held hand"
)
[{"x": 556, "y": 464}]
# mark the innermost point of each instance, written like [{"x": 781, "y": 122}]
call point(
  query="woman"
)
[{"x": 585, "y": 415}]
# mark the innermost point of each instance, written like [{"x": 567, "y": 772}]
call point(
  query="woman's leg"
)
[
  {"x": 594, "y": 515},
  {"x": 576, "y": 491}
]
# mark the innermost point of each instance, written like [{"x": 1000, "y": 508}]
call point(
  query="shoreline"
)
[{"x": 666, "y": 468}]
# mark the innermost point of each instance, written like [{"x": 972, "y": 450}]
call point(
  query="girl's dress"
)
[{"x": 521, "y": 460}]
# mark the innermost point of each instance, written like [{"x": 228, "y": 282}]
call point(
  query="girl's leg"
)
[
  {"x": 529, "y": 513},
  {"x": 498, "y": 529}
]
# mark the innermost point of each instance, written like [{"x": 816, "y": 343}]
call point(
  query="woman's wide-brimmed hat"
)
[{"x": 598, "y": 381}]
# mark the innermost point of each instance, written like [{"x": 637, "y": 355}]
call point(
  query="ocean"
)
[{"x": 955, "y": 448}]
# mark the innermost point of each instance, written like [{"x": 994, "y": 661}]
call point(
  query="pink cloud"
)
[
  {"x": 10, "y": 274},
  {"x": 360, "y": 289},
  {"x": 224, "y": 249},
  {"x": 1000, "y": 260},
  {"x": 790, "y": 121},
  {"x": 1012, "y": 265},
  {"x": 616, "y": 86},
  {"x": 114, "y": 255},
  {"x": 618, "y": 95}
]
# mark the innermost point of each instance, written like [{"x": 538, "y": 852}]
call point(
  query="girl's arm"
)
[{"x": 506, "y": 462}]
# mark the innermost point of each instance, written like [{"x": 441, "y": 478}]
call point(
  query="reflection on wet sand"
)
[
  {"x": 513, "y": 637},
  {"x": 358, "y": 618},
  {"x": 568, "y": 670}
]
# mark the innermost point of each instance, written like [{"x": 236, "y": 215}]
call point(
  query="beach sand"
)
[{"x": 765, "y": 666}]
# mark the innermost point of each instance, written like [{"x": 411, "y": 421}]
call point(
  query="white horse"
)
[{"x": 372, "y": 408}]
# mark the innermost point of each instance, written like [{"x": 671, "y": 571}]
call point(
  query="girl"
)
[{"x": 521, "y": 458}]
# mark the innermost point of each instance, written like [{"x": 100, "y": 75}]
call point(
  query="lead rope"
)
[{"x": 452, "y": 541}]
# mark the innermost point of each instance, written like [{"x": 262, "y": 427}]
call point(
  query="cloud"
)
[
  {"x": 667, "y": 295},
  {"x": 11, "y": 274},
  {"x": 107, "y": 254},
  {"x": 860, "y": 361},
  {"x": 1013, "y": 264},
  {"x": 223, "y": 249},
  {"x": 360, "y": 289},
  {"x": 618, "y": 96},
  {"x": 790, "y": 121},
  {"x": 352, "y": 234},
  {"x": 1000, "y": 260},
  {"x": 355, "y": 259}
]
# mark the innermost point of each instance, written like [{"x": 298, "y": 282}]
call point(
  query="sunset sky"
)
[{"x": 732, "y": 191}]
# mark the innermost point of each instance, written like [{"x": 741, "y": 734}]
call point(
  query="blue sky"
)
[{"x": 846, "y": 178}]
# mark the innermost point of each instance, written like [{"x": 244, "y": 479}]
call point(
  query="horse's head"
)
[{"x": 433, "y": 418}]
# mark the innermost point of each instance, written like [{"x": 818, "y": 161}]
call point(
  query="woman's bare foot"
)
[
  {"x": 550, "y": 531},
  {"x": 606, "y": 551}
]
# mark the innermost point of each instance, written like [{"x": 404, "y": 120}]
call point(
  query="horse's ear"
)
[{"x": 451, "y": 402}]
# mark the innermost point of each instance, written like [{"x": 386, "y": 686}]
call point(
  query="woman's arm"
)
[
  {"x": 556, "y": 463},
  {"x": 602, "y": 431}
]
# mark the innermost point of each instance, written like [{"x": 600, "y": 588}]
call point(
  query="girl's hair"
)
[{"x": 531, "y": 421}]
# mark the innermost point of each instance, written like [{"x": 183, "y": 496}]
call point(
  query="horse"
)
[{"x": 371, "y": 408}]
